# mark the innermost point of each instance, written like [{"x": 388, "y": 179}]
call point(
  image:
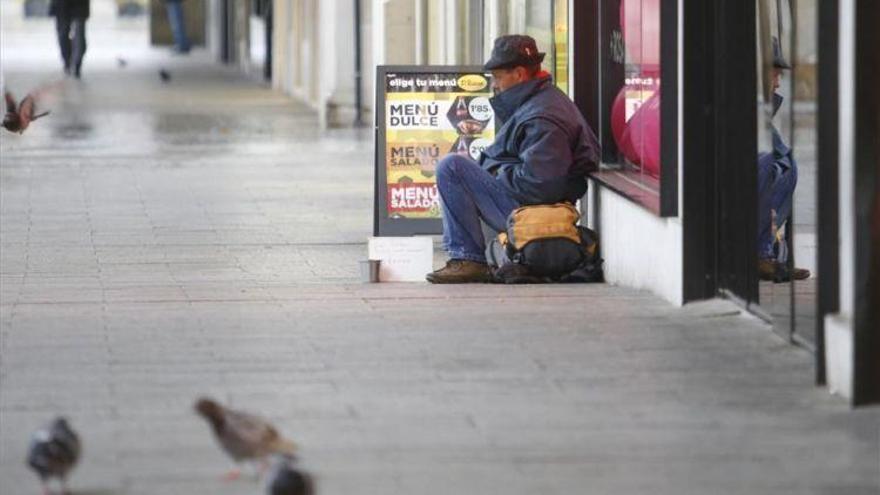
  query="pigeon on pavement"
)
[
  {"x": 19, "y": 117},
  {"x": 285, "y": 479},
  {"x": 164, "y": 75},
  {"x": 243, "y": 436},
  {"x": 54, "y": 451}
]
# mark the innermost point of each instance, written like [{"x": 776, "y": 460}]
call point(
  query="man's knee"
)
[{"x": 451, "y": 166}]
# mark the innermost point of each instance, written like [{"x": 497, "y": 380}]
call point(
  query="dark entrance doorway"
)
[
  {"x": 719, "y": 138},
  {"x": 750, "y": 220}
]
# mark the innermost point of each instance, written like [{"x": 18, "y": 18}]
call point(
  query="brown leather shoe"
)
[
  {"x": 778, "y": 272},
  {"x": 461, "y": 272},
  {"x": 798, "y": 273},
  {"x": 767, "y": 270}
]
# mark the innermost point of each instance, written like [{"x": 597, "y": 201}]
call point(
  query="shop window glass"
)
[
  {"x": 537, "y": 22},
  {"x": 451, "y": 32},
  {"x": 544, "y": 20},
  {"x": 560, "y": 44},
  {"x": 631, "y": 99}
]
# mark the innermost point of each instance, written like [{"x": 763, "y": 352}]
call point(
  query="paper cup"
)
[{"x": 369, "y": 271}]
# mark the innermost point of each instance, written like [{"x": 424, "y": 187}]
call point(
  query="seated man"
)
[{"x": 542, "y": 153}]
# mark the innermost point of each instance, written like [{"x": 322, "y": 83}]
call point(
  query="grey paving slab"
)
[{"x": 160, "y": 242}]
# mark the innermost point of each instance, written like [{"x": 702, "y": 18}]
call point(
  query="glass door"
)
[
  {"x": 786, "y": 166},
  {"x": 804, "y": 134},
  {"x": 774, "y": 170}
]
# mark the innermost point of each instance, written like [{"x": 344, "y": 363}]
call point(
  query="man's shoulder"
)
[{"x": 551, "y": 105}]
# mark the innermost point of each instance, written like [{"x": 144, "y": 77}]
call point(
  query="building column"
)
[{"x": 852, "y": 335}]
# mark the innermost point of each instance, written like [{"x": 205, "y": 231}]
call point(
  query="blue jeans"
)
[
  {"x": 72, "y": 42},
  {"x": 468, "y": 193},
  {"x": 776, "y": 185},
  {"x": 178, "y": 27}
]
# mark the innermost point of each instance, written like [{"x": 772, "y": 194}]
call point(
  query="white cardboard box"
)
[{"x": 403, "y": 259}]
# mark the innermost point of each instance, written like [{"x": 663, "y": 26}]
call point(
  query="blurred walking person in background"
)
[
  {"x": 178, "y": 25},
  {"x": 70, "y": 23}
]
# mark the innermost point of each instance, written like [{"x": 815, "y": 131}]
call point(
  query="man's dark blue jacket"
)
[{"x": 544, "y": 148}]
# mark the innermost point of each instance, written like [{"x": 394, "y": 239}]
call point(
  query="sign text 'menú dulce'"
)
[{"x": 414, "y": 114}]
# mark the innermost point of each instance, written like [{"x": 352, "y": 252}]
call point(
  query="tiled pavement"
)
[{"x": 158, "y": 242}]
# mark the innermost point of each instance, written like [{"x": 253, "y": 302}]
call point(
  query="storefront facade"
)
[{"x": 783, "y": 81}]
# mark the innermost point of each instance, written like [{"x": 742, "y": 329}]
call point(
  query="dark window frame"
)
[
  {"x": 828, "y": 300},
  {"x": 719, "y": 136}
]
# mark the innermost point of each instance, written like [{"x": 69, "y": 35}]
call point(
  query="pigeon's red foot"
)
[{"x": 232, "y": 475}]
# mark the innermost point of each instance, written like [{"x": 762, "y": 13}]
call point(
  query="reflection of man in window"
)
[
  {"x": 777, "y": 178},
  {"x": 542, "y": 153}
]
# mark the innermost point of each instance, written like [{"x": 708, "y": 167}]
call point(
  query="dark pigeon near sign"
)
[
  {"x": 19, "y": 117},
  {"x": 286, "y": 479},
  {"x": 54, "y": 452},
  {"x": 245, "y": 437}
]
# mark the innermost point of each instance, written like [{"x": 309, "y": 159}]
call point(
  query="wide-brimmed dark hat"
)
[
  {"x": 778, "y": 59},
  {"x": 514, "y": 50}
]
